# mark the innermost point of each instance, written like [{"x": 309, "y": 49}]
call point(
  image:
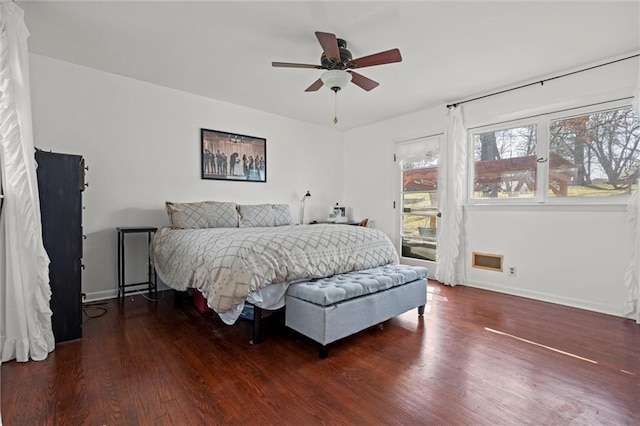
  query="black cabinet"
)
[{"x": 60, "y": 184}]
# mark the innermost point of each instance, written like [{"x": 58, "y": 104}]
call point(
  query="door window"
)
[{"x": 419, "y": 200}]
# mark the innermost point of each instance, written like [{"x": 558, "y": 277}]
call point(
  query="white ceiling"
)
[{"x": 223, "y": 50}]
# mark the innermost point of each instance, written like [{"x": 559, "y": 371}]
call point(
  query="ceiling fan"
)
[{"x": 339, "y": 62}]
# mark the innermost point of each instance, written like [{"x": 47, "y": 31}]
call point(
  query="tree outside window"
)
[
  {"x": 603, "y": 149},
  {"x": 505, "y": 163},
  {"x": 589, "y": 155}
]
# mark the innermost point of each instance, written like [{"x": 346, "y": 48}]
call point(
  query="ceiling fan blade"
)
[
  {"x": 386, "y": 57},
  {"x": 315, "y": 86},
  {"x": 362, "y": 81},
  {"x": 329, "y": 44},
  {"x": 292, "y": 65}
]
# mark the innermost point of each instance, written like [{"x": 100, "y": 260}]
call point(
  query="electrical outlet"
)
[{"x": 512, "y": 271}]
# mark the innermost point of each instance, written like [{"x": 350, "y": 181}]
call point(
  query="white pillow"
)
[
  {"x": 252, "y": 215},
  {"x": 222, "y": 215},
  {"x": 282, "y": 215},
  {"x": 204, "y": 214}
]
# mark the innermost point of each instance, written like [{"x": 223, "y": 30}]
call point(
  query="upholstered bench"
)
[{"x": 329, "y": 309}]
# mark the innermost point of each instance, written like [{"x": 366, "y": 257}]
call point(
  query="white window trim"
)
[
  {"x": 542, "y": 121},
  {"x": 397, "y": 240}
]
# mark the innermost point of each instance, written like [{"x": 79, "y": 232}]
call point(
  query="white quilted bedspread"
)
[{"x": 226, "y": 264}]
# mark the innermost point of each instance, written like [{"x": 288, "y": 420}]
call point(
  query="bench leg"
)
[
  {"x": 421, "y": 310},
  {"x": 323, "y": 352}
]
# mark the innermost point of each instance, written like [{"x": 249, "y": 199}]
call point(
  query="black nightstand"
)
[{"x": 152, "y": 282}]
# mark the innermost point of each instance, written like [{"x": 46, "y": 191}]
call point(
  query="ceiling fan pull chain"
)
[{"x": 335, "y": 117}]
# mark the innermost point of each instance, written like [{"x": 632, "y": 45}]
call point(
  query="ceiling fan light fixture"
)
[{"x": 336, "y": 79}]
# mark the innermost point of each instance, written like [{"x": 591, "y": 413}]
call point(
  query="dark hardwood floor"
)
[{"x": 476, "y": 357}]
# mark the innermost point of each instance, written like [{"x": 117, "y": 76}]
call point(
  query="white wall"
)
[
  {"x": 141, "y": 143},
  {"x": 576, "y": 256}
]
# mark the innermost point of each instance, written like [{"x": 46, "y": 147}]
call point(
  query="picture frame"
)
[{"x": 232, "y": 156}]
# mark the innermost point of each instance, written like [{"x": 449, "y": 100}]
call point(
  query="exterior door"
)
[{"x": 418, "y": 214}]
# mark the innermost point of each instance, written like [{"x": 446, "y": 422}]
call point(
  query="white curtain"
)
[
  {"x": 452, "y": 171},
  {"x": 25, "y": 316},
  {"x": 632, "y": 277}
]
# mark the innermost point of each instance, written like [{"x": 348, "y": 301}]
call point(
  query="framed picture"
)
[{"x": 230, "y": 156}]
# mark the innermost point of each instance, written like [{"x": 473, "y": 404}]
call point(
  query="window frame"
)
[
  {"x": 504, "y": 125},
  {"x": 543, "y": 122}
]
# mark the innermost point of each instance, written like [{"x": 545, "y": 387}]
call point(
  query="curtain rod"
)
[
  {"x": 553, "y": 112},
  {"x": 541, "y": 82}
]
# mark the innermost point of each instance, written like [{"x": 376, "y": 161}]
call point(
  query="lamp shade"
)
[{"x": 336, "y": 79}]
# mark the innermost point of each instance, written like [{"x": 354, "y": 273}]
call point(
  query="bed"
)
[{"x": 234, "y": 254}]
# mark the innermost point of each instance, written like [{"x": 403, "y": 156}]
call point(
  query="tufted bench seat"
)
[{"x": 329, "y": 309}]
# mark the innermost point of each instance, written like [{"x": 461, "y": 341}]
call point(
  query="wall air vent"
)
[{"x": 491, "y": 262}]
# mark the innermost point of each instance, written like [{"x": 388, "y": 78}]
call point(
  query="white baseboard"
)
[
  {"x": 545, "y": 297},
  {"x": 112, "y": 294},
  {"x": 101, "y": 295}
]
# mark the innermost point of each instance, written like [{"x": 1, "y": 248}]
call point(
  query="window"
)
[
  {"x": 505, "y": 163},
  {"x": 585, "y": 155},
  {"x": 594, "y": 155}
]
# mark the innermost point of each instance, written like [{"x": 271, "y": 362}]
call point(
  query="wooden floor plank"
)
[{"x": 476, "y": 357}]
